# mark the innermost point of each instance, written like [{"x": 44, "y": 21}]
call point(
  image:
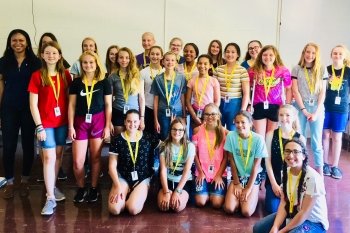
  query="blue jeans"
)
[
  {"x": 229, "y": 111},
  {"x": 316, "y": 128},
  {"x": 54, "y": 137},
  {"x": 271, "y": 200},
  {"x": 265, "y": 225}
]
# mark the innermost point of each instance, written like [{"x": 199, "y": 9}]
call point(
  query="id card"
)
[
  {"x": 134, "y": 176},
  {"x": 88, "y": 118},
  {"x": 266, "y": 104},
  {"x": 57, "y": 111},
  {"x": 244, "y": 181},
  {"x": 199, "y": 113},
  {"x": 126, "y": 108},
  {"x": 337, "y": 100},
  {"x": 227, "y": 99},
  {"x": 311, "y": 102},
  {"x": 167, "y": 112},
  {"x": 211, "y": 169}
]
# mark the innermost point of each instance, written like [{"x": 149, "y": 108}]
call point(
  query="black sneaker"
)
[
  {"x": 61, "y": 174},
  {"x": 326, "y": 169},
  {"x": 93, "y": 195},
  {"x": 80, "y": 195}
]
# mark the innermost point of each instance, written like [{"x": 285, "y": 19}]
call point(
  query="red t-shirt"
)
[{"x": 47, "y": 101}]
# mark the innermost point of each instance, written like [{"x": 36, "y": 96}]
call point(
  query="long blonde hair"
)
[
  {"x": 59, "y": 65},
  {"x": 219, "y": 129},
  {"x": 100, "y": 72},
  {"x": 317, "y": 71},
  {"x": 132, "y": 77}
]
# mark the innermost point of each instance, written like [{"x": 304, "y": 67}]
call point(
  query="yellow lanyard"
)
[
  {"x": 228, "y": 77},
  {"x": 56, "y": 93},
  {"x": 248, "y": 150},
  {"x": 126, "y": 95},
  {"x": 200, "y": 97},
  {"x": 268, "y": 82},
  {"x": 153, "y": 76},
  {"x": 168, "y": 94},
  {"x": 310, "y": 82},
  {"x": 340, "y": 82},
  {"x": 179, "y": 157},
  {"x": 291, "y": 134},
  {"x": 209, "y": 145},
  {"x": 89, "y": 94},
  {"x": 132, "y": 155},
  {"x": 291, "y": 193},
  {"x": 188, "y": 75}
]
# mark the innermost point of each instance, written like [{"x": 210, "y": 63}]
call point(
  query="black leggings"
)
[{"x": 11, "y": 121}]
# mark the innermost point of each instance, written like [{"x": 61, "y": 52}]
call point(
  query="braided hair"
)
[{"x": 302, "y": 177}]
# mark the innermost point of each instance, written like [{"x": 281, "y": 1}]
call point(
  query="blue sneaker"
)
[
  {"x": 326, "y": 169},
  {"x": 336, "y": 173}
]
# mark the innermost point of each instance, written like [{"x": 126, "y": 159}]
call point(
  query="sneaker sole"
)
[
  {"x": 61, "y": 199},
  {"x": 62, "y": 178},
  {"x": 337, "y": 177}
]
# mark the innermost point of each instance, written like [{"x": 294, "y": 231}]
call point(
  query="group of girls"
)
[{"x": 162, "y": 94}]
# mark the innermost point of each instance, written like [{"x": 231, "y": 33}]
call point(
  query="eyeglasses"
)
[
  {"x": 253, "y": 48},
  {"x": 210, "y": 114},
  {"x": 295, "y": 152},
  {"x": 177, "y": 130}
]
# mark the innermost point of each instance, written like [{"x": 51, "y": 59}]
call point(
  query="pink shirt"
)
[
  {"x": 199, "y": 140},
  {"x": 275, "y": 93},
  {"x": 208, "y": 95}
]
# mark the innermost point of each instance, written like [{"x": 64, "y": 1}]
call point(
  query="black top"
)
[
  {"x": 276, "y": 159},
  {"x": 101, "y": 89},
  {"x": 144, "y": 161},
  {"x": 331, "y": 94},
  {"x": 16, "y": 81}
]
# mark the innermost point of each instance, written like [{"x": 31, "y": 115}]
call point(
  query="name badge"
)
[
  {"x": 126, "y": 108},
  {"x": 244, "y": 181},
  {"x": 227, "y": 99},
  {"x": 167, "y": 112},
  {"x": 88, "y": 118},
  {"x": 134, "y": 176},
  {"x": 57, "y": 111},
  {"x": 311, "y": 102},
  {"x": 211, "y": 169},
  {"x": 337, "y": 100},
  {"x": 199, "y": 113},
  {"x": 266, "y": 104}
]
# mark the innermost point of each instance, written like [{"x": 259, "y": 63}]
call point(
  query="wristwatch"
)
[{"x": 179, "y": 191}]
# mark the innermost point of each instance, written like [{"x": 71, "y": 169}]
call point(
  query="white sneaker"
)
[
  {"x": 59, "y": 196},
  {"x": 49, "y": 207}
]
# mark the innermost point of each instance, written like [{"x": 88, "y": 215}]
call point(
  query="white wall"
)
[{"x": 200, "y": 21}]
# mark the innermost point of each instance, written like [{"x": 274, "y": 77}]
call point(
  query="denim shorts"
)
[
  {"x": 54, "y": 137},
  {"x": 209, "y": 189},
  {"x": 335, "y": 121}
]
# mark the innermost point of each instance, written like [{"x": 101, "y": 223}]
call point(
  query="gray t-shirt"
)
[
  {"x": 118, "y": 95},
  {"x": 304, "y": 90}
]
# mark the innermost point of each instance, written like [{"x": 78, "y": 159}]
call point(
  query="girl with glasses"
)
[
  {"x": 211, "y": 160},
  {"x": 176, "y": 159},
  {"x": 303, "y": 206},
  {"x": 289, "y": 127},
  {"x": 245, "y": 150},
  {"x": 175, "y": 46},
  {"x": 130, "y": 166},
  {"x": 254, "y": 48}
]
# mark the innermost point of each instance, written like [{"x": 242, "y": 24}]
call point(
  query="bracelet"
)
[
  {"x": 302, "y": 109},
  {"x": 38, "y": 125},
  {"x": 167, "y": 192},
  {"x": 179, "y": 191}
]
